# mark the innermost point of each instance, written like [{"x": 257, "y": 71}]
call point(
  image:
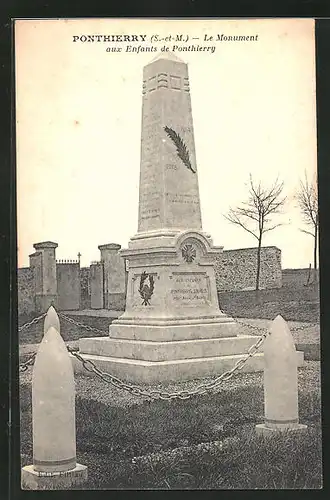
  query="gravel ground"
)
[{"x": 93, "y": 388}]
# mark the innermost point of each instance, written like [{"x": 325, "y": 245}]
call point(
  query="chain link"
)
[
  {"x": 292, "y": 329},
  {"x": 202, "y": 389},
  {"x": 30, "y": 323},
  {"x": 158, "y": 394},
  {"x": 251, "y": 327},
  {"x": 24, "y": 366},
  {"x": 82, "y": 325}
]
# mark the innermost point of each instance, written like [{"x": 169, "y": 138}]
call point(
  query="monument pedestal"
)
[{"x": 172, "y": 328}]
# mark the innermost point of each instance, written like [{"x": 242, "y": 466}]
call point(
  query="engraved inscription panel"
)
[
  {"x": 190, "y": 289},
  {"x": 150, "y": 200}
]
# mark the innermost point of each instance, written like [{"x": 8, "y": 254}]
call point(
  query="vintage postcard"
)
[{"x": 168, "y": 282}]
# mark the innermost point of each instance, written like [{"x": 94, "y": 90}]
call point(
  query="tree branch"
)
[
  {"x": 307, "y": 232},
  {"x": 239, "y": 223},
  {"x": 307, "y": 198},
  {"x": 273, "y": 227},
  {"x": 261, "y": 203}
]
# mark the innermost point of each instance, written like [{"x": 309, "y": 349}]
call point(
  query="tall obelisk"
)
[
  {"x": 172, "y": 327},
  {"x": 169, "y": 196}
]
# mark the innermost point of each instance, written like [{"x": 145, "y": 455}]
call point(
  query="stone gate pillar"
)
[
  {"x": 114, "y": 277},
  {"x": 44, "y": 264}
]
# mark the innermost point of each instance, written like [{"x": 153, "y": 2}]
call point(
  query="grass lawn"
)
[
  {"x": 207, "y": 442},
  {"x": 296, "y": 303}
]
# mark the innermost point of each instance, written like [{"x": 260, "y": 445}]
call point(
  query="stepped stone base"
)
[
  {"x": 144, "y": 350},
  {"x": 168, "y": 329},
  {"x": 154, "y": 362}
]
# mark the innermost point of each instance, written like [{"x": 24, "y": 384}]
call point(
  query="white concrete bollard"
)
[
  {"x": 53, "y": 416},
  {"x": 52, "y": 319},
  {"x": 280, "y": 381}
]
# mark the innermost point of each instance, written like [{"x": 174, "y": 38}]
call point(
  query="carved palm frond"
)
[
  {"x": 181, "y": 148},
  {"x": 152, "y": 284}
]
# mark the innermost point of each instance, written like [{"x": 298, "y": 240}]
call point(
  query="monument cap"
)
[{"x": 168, "y": 56}]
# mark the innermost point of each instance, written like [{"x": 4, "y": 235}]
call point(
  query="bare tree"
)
[
  {"x": 255, "y": 215},
  {"x": 308, "y": 204}
]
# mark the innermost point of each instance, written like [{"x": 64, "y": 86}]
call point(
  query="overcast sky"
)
[{"x": 79, "y": 129}]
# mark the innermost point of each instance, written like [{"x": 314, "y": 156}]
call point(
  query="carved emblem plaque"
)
[{"x": 188, "y": 253}]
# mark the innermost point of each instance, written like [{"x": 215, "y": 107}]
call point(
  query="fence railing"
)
[{"x": 67, "y": 261}]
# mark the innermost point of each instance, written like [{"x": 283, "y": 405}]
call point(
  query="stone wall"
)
[
  {"x": 236, "y": 269},
  {"x": 83, "y": 288},
  {"x": 26, "y": 290}
]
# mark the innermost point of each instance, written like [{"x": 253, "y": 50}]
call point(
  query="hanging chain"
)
[
  {"x": 30, "y": 323},
  {"x": 82, "y": 325},
  {"x": 158, "y": 394},
  {"x": 292, "y": 329},
  {"x": 203, "y": 388},
  {"x": 250, "y": 326},
  {"x": 24, "y": 366},
  {"x": 96, "y": 330},
  {"x": 253, "y": 327}
]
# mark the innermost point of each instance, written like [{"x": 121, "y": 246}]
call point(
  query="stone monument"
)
[{"x": 172, "y": 328}]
